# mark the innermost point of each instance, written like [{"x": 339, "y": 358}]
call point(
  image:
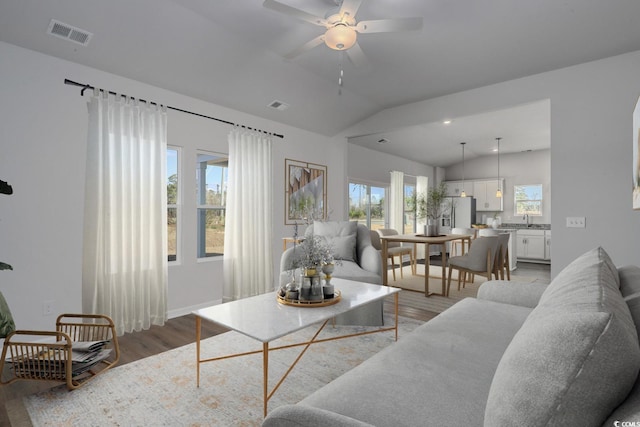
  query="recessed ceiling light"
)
[{"x": 447, "y": 122}]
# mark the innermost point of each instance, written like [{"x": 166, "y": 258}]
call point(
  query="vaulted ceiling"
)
[{"x": 231, "y": 52}]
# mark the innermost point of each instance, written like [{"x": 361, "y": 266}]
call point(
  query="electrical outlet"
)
[
  {"x": 576, "y": 222},
  {"x": 47, "y": 308}
]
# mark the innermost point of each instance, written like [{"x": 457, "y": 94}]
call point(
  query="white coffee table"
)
[{"x": 264, "y": 319}]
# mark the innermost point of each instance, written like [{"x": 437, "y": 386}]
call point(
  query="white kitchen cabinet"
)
[
  {"x": 485, "y": 193},
  {"x": 547, "y": 245},
  {"x": 454, "y": 188},
  {"x": 531, "y": 244}
]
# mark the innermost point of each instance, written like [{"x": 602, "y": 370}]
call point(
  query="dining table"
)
[{"x": 427, "y": 241}]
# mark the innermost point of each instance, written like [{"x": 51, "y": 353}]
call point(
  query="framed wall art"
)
[{"x": 305, "y": 191}]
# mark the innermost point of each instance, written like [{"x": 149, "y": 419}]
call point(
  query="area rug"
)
[{"x": 161, "y": 390}]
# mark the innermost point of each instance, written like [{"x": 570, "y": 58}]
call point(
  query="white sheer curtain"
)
[
  {"x": 396, "y": 202},
  {"x": 248, "y": 235},
  {"x": 124, "y": 271}
]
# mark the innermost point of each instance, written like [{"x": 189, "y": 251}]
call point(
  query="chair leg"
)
[
  {"x": 413, "y": 262},
  {"x": 393, "y": 267},
  {"x": 506, "y": 265},
  {"x": 446, "y": 294},
  {"x": 401, "y": 266}
]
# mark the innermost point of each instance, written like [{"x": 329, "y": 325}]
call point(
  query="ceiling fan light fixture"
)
[{"x": 340, "y": 37}]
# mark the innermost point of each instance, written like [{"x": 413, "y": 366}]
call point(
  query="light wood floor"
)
[{"x": 181, "y": 331}]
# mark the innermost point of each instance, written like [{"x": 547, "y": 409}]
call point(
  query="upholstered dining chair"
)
[
  {"x": 459, "y": 243},
  {"x": 478, "y": 260},
  {"x": 502, "y": 261},
  {"x": 395, "y": 249}
]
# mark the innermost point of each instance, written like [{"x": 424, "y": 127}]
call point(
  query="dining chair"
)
[
  {"x": 502, "y": 261},
  {"x": 460, "y": 243},
  {"x": 478, "y": 260},
  {"x": 396, "y": 249}
]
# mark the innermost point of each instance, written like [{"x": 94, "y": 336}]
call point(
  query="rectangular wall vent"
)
[
  {"x": 70, "y": 33},
  {"x": 279, "y": 105}
]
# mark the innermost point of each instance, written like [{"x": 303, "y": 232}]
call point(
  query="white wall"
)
[
  {"x": 532, "y": 167},
  {"x": 42, "y": 155},
  {"x": 373, "y": 166},
  {"x": 591, "y": 151}
]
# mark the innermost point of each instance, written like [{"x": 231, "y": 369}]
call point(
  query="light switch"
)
[{"x": 576, "y": 222}]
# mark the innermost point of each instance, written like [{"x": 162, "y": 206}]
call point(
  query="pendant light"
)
[
  {"x": 499, "y": 191},
  {"x": 463, "y": 194}
]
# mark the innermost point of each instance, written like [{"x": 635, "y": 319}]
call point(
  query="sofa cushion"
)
[
  {"x": 577, "y": 353},
  {"x": 630, "y": 289},
  {"x": 629, "y": 280},
  {"x": 340, "y": 236}
]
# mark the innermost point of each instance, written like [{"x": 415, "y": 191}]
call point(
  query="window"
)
[
  {"x": 409, "y": 209},
  {"x": 528, "y": 199},
  {"x": 173, "y": 195},
  {"x": 367, "y": 205},
  {"x": 212, "y": 178}
]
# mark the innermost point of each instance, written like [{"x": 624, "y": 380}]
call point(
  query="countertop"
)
[{"x": 518, "y": 226}]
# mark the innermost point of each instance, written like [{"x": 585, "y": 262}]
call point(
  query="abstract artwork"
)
[{"x": 305, "y": 191}]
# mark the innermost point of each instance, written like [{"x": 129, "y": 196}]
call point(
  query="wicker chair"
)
[{"x": 47, "y": 355}]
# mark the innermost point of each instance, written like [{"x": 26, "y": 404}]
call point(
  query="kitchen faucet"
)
[{"x": 526, "y": 217}]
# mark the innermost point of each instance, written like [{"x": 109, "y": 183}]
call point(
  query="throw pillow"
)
[
  {"x": 629, "y": 279},
  {"x": 575, "y": 358},
  {"x": 340, "y": 236}
]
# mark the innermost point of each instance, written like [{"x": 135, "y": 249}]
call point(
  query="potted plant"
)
[
  {"x": 6, "y": 319},
  {"x": 431, "y": 206}
]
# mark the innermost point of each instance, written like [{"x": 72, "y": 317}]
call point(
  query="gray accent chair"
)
[{"x": 365, "y": 266}]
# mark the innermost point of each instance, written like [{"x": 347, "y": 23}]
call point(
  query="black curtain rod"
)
[{"x": 86, "y": 86}]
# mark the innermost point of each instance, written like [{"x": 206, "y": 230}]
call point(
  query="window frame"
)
[
  {"x": 207, "y": 207},
  {"x": 367, "y": 208},
  {"x": 516, "y": 201},
  {"x": 177, "y": 206}
]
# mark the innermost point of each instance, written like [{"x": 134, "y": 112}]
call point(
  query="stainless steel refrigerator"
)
[{"x": 459, "y": 212}]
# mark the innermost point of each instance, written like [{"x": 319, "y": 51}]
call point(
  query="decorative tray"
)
[{"x": 336, "y": 298}]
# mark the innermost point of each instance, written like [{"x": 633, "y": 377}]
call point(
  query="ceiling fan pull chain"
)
[{"x": 341, "y": 75}]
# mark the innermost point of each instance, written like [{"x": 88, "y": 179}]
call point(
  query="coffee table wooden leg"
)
[
  {"x": 265, "y": 376},
  {"x": 396, "y": 307},
  {"x": 385, "y": 252},
  {"x": 198, "y": 326}
]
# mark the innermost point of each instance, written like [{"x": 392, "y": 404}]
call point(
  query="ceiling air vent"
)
[
  {"x": 383, "y": 141},
  {"x": 279, "y": 105},
  {"x": 68, "y": 32}
]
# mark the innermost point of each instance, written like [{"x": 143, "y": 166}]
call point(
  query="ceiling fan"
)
[{"x": 342, "y": 29}]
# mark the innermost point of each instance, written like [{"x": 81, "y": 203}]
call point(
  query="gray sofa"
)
[
  {"x": 521, "y": 354},
  {"x": 359, "y": 261}
]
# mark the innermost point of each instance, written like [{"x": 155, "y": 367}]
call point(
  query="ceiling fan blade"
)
[
  {"x": 357, "y": 56},
  {"x": 296, "y": 13},
  {"x": 305, "y": 47},
  {"x": 389, "y": 25},
  {"x": 350, "y": 7}
]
